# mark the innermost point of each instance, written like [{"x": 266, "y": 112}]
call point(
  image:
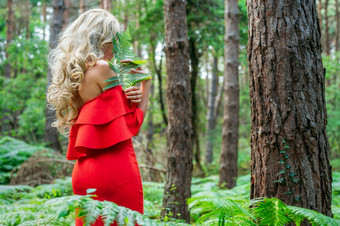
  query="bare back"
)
[{"x": 94, "y": 81}]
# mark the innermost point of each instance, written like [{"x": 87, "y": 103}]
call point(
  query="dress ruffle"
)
[{"x": 102, "y": 122}]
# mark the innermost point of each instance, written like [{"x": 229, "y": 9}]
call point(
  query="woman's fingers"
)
[
  {"x": 132, "y": 88},
  {"x": 133, "y": 94},
  {"x": 125, "y": 61},
  {"x": 137, "y": 71}
]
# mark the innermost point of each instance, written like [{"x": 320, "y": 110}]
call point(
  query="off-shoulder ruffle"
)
[{"x": 102, "y": 122}]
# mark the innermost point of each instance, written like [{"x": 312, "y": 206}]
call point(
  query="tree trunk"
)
[
  {"x": 106, "y": 4},
  {"x": 57, "y": 21},
  {"x": 337, "y": 22},
  {"x": 194, "y": 60},
  {"x": 289, "y": 145},
  {"x": 44, "y": 19},
  {"x": 179, "y": 133},
  {"x": 320, "y": 23},
  {"x": 9, "y": 35},
  {"x": 66, "y": 14},
  {"x": 228, "y": 164},
  {"x": 160, "y": 82},
  {"x": 211, "y": 117},
  {"x": 82, "y": 8},
  {"x": 28, "y": 15},
  {"x": 327, "y": 41}
]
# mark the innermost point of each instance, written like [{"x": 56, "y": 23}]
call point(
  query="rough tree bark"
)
[
  {"x": 57, "y": 21},
  {"x": 228, "y": 164},
  {"x": 179, "y": 144},
  {"x": 289, "y": 146},
  {"x": 211, "y": 117}
]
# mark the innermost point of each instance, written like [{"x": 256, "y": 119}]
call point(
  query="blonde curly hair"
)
[{"x": 79, "y": 47}]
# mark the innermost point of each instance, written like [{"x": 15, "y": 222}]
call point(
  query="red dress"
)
[{"x": 100, "y": 140}]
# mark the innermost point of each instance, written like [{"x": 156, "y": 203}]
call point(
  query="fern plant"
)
[{"x": 122, "y": 50}]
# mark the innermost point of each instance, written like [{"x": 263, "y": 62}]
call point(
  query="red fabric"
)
[
  {"x": 102, "y": 122},
  {"x": 100, "y": 140}
]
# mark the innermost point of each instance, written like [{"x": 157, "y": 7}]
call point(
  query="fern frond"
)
[
  {"x": 270, "y": 211},
  {"x": 89, "y": 209},
  {"x": 314, "y": 217},
  {"x": 122, "y": 50},
  {"x": 109, "y": 212}
]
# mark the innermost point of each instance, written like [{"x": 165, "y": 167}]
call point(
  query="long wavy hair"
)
[{"x": 79, "y": 46}]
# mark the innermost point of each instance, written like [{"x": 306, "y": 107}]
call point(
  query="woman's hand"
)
[
  {"x": 134, "y": 94},
  {"x": 139, "y": 95}
]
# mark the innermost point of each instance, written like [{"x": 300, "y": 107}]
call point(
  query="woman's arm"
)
[
  {"x": 145, "y": 88},
  {"x": 139, "y": 95}
]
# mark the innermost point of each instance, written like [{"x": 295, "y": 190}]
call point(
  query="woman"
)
[{"x": 101, "y": 123}]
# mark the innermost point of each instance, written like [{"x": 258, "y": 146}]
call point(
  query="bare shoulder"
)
[{"x": 100, "y": 72}]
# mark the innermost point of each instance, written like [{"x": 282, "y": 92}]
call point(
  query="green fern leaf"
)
[
  {"x": 122, "y": 50},
  {"x": 109, "y": 213}
]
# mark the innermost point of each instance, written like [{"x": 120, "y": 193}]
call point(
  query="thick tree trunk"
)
[
  {"x": 211, "y": 116},
  {"x": 228, "y": 165},
  {"x": 179, "y": 146},
  {"x": 289, "y": 146},
  {"x": 9, "y": 35},
  {"x": 327, "y": 40},
  {"x": 57, "y": 21},
  {"x": 320, "y": 23}
]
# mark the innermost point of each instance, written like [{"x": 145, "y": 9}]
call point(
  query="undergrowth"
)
[{"x": 54, "y": 204}]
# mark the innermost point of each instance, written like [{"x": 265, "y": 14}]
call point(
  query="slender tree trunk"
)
[
  {"x": 66, "y": 14},
  {"x": 289, "y": 145},
  {"x": 228, "y": 164},
  {"x": 57, "y": 21},
  {"x": 28, "y": 15},
  {"x": 136, "y": 44},
  {"x": 44, "y": 19},
  {"x": 9, "y": 35},
  {"x": 194, "y": 60},
  {"x": 126, "y": 14},
  {"x": 211, "y": 117},
  {"x": 153, "y": 175},
  {"x": 337, "y": 27},
  {"x": 179, "y": 143},
  {"x": 82, "y": 8},
  {"x": 6, "y": 114},
  {"x": 160, "y": 82},
  {"x": 327, "y": 40},
  {"x": 106, "y": 4}
]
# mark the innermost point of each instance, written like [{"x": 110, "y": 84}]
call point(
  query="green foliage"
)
[
  {"x": 12, "y": 153},
  {"x": 331, "y": 63},
  {"x": 209, "y": 205},
  {"x": 22, "y": 97},
  {"x": 122, "y": 50}
]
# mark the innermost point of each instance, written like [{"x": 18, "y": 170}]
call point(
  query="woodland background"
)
[{"x": 32, "y": 159}]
